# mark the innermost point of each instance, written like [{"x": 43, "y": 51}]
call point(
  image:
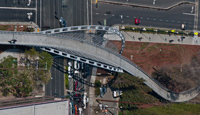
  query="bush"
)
[
  {"x": 97, "y": 84},
  {"x": 66, "y": 80},
  {"x": 97, "y": 91}
]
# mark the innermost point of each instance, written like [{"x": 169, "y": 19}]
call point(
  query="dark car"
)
[
  {"x": 62, "y": 22},
  {"x": 137, "y": 21}
]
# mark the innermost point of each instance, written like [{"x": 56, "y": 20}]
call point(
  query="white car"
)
[
  {"x": 85, "y": 100},
  {"x": 80, "y": 111},
  {"x": 69, "y": 72},
  {"x": 183, "y": 26},
  {"x": 76, "y": 65}
]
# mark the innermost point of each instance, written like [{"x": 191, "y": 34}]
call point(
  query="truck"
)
[{"x": 117, "y": 93}]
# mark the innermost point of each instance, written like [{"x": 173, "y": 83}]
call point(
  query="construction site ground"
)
[{"x": 155, "y": 56}]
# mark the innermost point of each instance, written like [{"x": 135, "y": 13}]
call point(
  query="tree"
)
[{"x": 97, "y": 84}]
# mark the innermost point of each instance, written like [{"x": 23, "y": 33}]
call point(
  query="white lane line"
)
[
  {"x": 105, "y": 14},
  {"x": 141, "y": 17},
  {"x": 172, "y": 21},
  {"x": 134, "y": 17},
  {"x": 113, "y": 15},
  {"x": 17, "y": 8},
  {"x": 188, "y": 14},
  {"x": 97, "y": 13},
  {"x": 166, "y": 20},
  {"x": 178, "y": 21},
  {"x": 147, "y": 18},
  {"x": 160, "y": 19},
  {"x": 36, "y": 11},
  {"x": 190, "y": 23},
  {"x": 127, "y": 16},
  {"x": 154, "y": 19}
]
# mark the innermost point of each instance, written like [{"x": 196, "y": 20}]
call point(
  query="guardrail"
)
[{"x": 88, "y": 27}]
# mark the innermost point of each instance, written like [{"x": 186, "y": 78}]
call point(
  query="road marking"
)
[
  {"x": 113, "y": 15},
  {"x": 17, "y": 8},
  {"x": 190, "y": 23},
  {"x": 147, "y": 18},
  {"x": 134, "y": 17},
  {"x": 141, "y": 17},
  {"x": 172, "y": 21},
  {"x": 154, "y": 19},
  {"x": 154, "y": 2},
  {"x": 166, "y": 20},
  {"x": 105, "y": 14},
  {"x": 192, "y": 9},
  {"x": 160, "y": 19},
  {"x": 97, "y": 13},
  {"x": 178, "y": 21},
  {"x": 127, "y": 16},
  {"x": 188, "y": 14}
]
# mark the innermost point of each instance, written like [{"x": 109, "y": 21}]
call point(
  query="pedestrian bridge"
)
[{"x": 61, "y": 44}]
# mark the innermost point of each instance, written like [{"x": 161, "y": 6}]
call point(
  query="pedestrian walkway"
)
[{"x": 155, "y": 38}]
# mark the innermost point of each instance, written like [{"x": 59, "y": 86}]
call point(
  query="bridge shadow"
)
[
  {"x": 83, "y": 81},
  {"x": 60, "y": 67}
]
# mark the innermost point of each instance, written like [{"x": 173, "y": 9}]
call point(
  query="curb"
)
[{"x": 145, "y": 6}]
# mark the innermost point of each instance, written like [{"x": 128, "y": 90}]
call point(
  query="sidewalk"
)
[
  {"x": 92, "y": 99},
  {"x": 155, "y": 38}
]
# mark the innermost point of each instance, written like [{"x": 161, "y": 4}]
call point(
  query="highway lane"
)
[
  {"x": 78, "y": 12},
  {"x": 51, "y": 12},
  {"x": 55, "y": 86},
  {"x": 149, "y": 18},
  {"x": 20, "y": 15},
  {"x": 18, "y": 3}
]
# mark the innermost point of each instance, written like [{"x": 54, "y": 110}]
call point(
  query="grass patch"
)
[
  {"x": 4, "y": 27},
  {"x": 143, "y": 46},
  {"x": 66, "y": 79},
  {"x": 152, "y": 48},
  {"x": 169, "y": 109}
]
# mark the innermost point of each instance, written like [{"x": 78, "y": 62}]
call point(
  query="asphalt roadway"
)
[
  {"x": 19, "y": 11},
  {"x": 117, "y": 14},
  {"x": 18, "y": 3},
  {"x": 51, "y": 12},
  {"x": 55, "y": 86}
]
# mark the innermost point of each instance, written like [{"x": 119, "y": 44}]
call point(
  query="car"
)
[
  {"x": 80, "y": 110},
  {"x": 69, "y": 72},
  {"x": 62, "y": 22},
  {"x": 117, "y": 93},
  {"x": 183, "y": 26},
  {"x": 137, "y": 21},
  {"x": 76, "y": 65},
  {"x": 85, "y": 100}
]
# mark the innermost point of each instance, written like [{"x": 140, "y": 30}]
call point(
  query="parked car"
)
[
  {"x": 62, "y": 22},
  {"x": 137, "y": 21},
  {"x": 85, "y": 100},
  {"x": 69, "y": 72},
  {"x": 117, "y": 93},
  {"x": 76, "y": 65},
  {"x": 103, "y": 90}
]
